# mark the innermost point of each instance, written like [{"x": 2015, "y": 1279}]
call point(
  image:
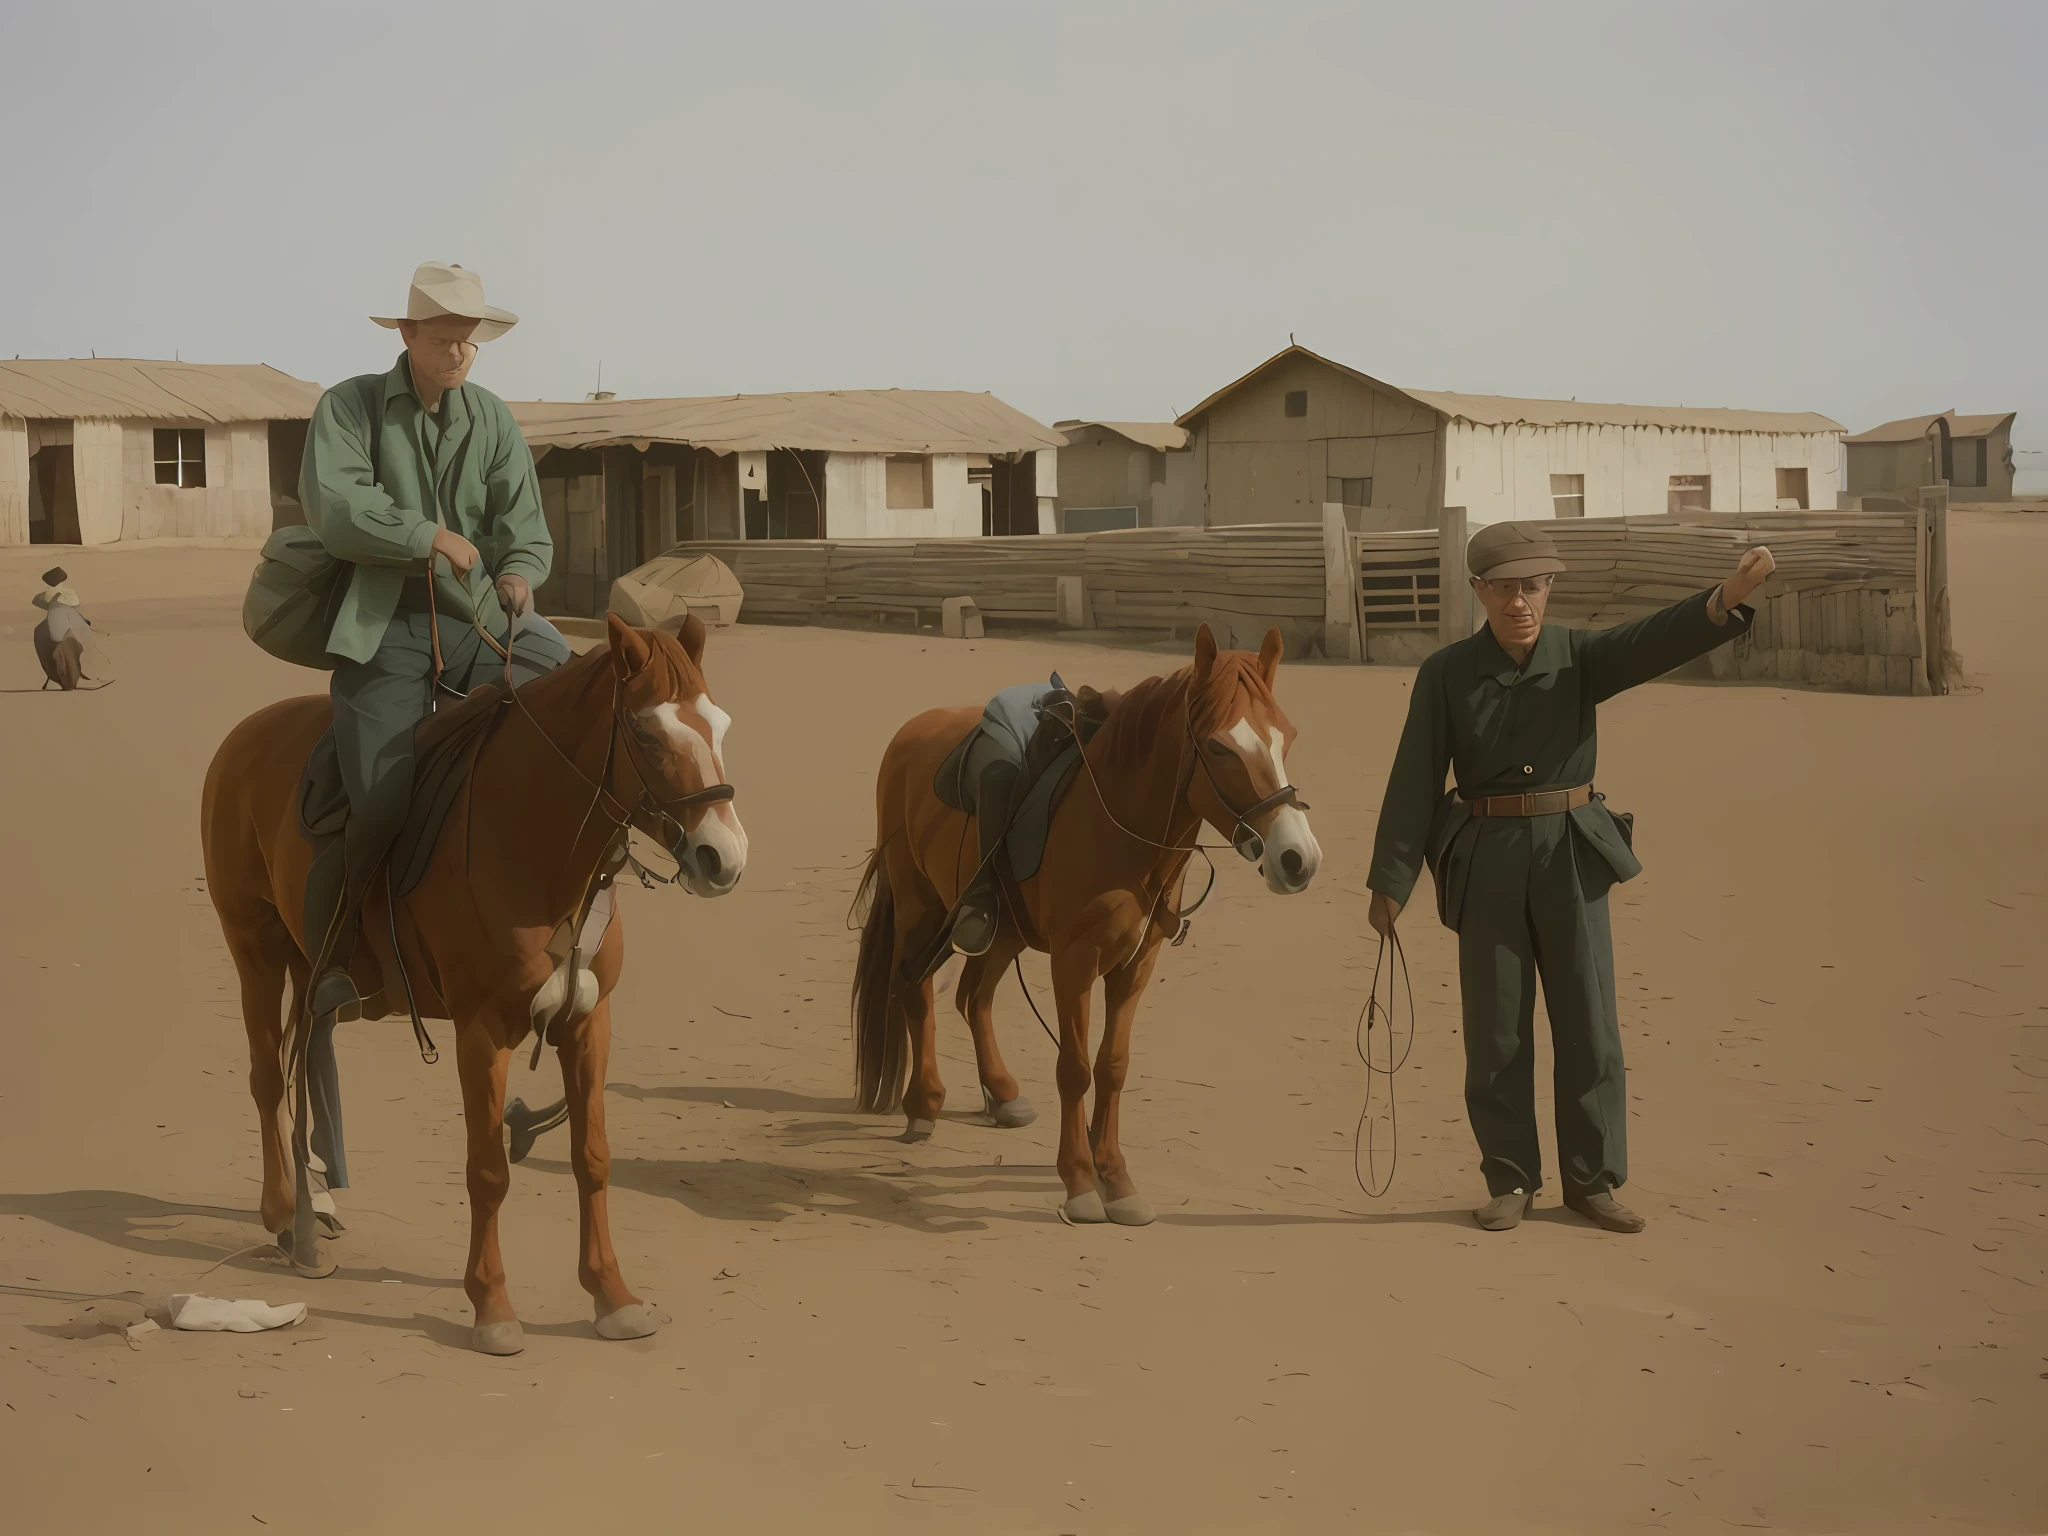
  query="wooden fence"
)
[
  {"x": 1161, "y": 581},
  {"x": 1859, "y": 602}
]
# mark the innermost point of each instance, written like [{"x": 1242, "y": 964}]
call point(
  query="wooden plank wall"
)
[
  {"x": 1158, "y": 581},
  {"x": 1840, "y": 613},
  {"x": 1844, "y": 610}
]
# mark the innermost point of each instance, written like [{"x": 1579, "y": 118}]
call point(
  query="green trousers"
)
[
  {"x": 376, "y": 705},
  {"x": 1525, "y": 916}
]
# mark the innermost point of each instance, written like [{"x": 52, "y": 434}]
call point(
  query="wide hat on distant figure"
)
[
  {"x": 1501, "y": 551},
  {"x": 442, "y": 288}
]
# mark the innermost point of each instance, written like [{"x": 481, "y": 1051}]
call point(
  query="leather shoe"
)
[
  {"x": 1604, "y": 1211},
  {"x": 1503, "y": 1213}
]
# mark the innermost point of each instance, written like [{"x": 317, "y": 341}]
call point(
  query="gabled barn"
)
[{"x": 1300, "y": 431}]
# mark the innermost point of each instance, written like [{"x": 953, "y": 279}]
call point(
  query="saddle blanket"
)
[{"x": 1050, "y": 760}]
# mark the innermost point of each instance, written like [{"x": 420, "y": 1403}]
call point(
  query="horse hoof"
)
[
  {"x": 632, "y": 1321},
  {"x": 1016, "y": 1112},
  {"x": 1131, "y": 1211},
  {"x": 919, "y": 1130},
  {"x": 1083, "y": 1209},
  {"x": 506, "y": 1338}
]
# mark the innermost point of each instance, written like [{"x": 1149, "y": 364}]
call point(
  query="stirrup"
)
[
  {"x": 335, "y": 993},
  {"x": 974, "y": 929}
]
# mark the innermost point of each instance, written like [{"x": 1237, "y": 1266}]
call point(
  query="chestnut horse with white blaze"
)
[
  {"x": 623, "y": 736},
  {"x": 1207, "y": 744}
]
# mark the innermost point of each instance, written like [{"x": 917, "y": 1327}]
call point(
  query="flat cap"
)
[{"x": 1502, "y": 550}]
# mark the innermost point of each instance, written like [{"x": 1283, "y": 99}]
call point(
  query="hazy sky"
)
[{"x": 1098, "y": 209}]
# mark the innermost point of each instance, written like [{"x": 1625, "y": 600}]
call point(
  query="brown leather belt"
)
[{"x": 1550, "y": 802}]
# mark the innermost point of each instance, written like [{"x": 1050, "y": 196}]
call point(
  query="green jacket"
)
[
  {"x": 1507, "y": 730},
  {"x": 380, "y": 476}
]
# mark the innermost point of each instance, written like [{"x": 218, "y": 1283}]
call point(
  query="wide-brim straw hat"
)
[
  {"x": 1502, "y": 551},
  {"x": 443, "y": 288}
]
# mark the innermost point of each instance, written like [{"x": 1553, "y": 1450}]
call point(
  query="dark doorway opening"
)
[
  {"x": 1013, "y": 496},
  {"x": 795, "y": 506},
  {"x": 53, "y": 495},
  {"x": 287, "y": 454}
]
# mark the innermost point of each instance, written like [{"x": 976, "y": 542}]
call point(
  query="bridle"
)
[
  {"x": 617, "y": 812},
  {"x": 1244, "y": 838}
]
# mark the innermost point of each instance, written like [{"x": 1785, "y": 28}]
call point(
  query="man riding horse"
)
[{"x": 401, "y": 468}]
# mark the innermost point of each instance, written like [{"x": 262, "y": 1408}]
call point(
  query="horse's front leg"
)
[
  {"x": 481, "y": 1060},
  {"x": 1074, "y": 970},
  {"x": 1121, "y": 990},
  {"x": 620, "y": 1314}
]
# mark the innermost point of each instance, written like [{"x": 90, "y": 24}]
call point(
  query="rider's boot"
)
[
  {"x": 334, "y": 995},
  {"x": 980, "y": 911}
]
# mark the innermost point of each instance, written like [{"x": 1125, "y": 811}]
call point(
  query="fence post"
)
[
  {"x": 1939, "y": 641},
  {"x": 1453, "y": 596},
  {"x": 1341, "y": 640}
]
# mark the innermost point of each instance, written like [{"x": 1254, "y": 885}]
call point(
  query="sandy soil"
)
[{"x": 1836, "y": 1004}]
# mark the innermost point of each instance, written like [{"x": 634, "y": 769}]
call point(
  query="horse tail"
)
[{"x": 881, "y": 1041}]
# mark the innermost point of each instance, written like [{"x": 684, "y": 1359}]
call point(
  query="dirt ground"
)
[{"x": 1835, "y": 999}]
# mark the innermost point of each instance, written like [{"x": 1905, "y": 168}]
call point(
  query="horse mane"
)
[
  {"x": 668, "y": 663},
  {"x": 1138, "y": 716}
]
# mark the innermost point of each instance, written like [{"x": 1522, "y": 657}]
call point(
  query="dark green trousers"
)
[
  {"x": 376, "y": 705},
  {"x": 1525, "y": 916}
]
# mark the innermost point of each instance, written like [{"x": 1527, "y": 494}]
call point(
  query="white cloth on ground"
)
[{"x": 210, "y": 1314}]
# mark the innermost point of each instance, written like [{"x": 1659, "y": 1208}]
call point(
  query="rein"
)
[
  {"x": 624, "y": 818},
  {"x": 1244, "y": 841},
  {"x": 1373, "y": 1016}
]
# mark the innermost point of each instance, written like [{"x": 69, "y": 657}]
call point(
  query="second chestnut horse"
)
[{"x": 1207, "y": 744}]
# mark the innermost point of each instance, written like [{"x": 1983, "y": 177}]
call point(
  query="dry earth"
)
[{"x": 1836, "y": 1005}]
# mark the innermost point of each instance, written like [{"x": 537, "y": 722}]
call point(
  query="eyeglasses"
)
[{"x": 1512, "y": 587}]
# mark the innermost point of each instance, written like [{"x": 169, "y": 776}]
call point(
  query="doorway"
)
[{"x": 53, "y": 497}]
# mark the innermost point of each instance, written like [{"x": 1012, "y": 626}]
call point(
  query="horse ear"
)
[
  {"x": 630, "y": 651},
  {"x": 1271, "y": 649},
  {"x": 1205, "y": 653},
  {"x": 692, "y": 636}
]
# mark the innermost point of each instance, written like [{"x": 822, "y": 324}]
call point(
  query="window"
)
[
  {"x": 181, "y": 457},
  {"x": 1567, "y": 495},
  {"x": 1351, "y": 491},
  {"x": 1691, "y": 493},
  {"x": 1296, "y": 403},
  {"x": 1792, "y": 488},
  {"x": 910, "y": 480},
  {"x": 1968, "y": 457}
]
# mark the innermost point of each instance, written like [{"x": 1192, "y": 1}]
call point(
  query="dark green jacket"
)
[
  {"x": 380, "y": 476},
  {"x": 1505, "y": 730}
]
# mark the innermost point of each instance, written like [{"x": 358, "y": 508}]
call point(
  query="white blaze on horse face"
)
[
  {"x": 714, "y": 852},
  {"x": 720, "y": 722},
  {"x": 1292, "y": 854}
]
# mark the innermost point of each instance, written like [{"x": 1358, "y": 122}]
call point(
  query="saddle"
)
[
  {"x": 1050, "y": 759},
  {"x": 444, "y": 749}
]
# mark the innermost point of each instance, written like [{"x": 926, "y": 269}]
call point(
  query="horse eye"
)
[{"x": 1220, "y": 749}]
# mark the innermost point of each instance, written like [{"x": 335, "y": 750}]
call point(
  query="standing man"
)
[
  {"x": 1523, "y": 853},
  {"x": 406, "y": 473}
]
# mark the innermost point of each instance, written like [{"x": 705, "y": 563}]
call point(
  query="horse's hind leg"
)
[
  {"x": 919, "y": 912},
  {"x": 264, "y": 955},
  {"x": 620, "y": 1314},
  {"x": 975, "y": 999}
]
